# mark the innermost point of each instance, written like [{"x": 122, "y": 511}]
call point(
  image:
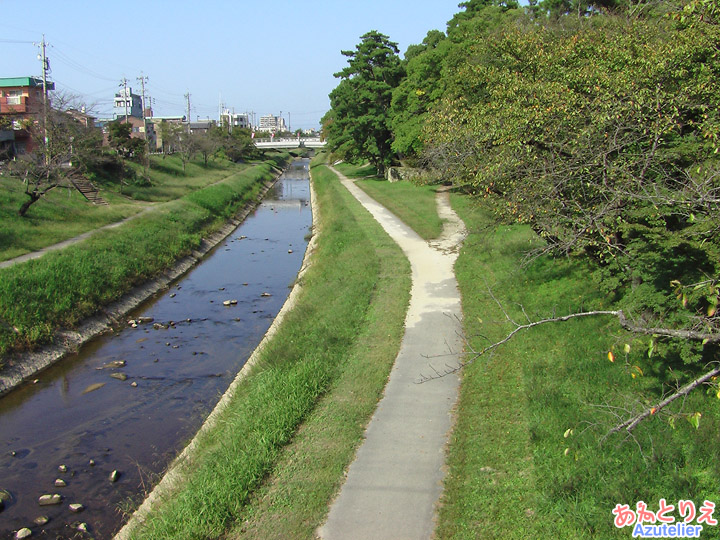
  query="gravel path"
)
[{"x": 394, "y": 484}]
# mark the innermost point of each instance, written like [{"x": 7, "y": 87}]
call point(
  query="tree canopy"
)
[{"x": 358, "y": 125}]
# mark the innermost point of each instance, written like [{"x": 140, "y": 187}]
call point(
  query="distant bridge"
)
[{"x": 290, "y": 142}]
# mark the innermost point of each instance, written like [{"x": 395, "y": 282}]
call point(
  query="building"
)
[
  {"x": 273, "y": 124},
  {"x": 201, "y": 126},
  {"x": 231, "y": 120},
  {"x": 21, "y": 105},
  {"x": 127, "y": 104},
  {"x": 161, "y": 126}
]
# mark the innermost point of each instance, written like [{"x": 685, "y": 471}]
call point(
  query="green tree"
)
[
  {"x": 62, "y": 146},
  {"x": 602, "y": 135},
  {"x": 422, "y": 86},
  {"x": 360, "y": 104},
  {"x": 120, "y": 138}
]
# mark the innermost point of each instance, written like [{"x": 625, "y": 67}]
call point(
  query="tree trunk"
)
[{"x": 34, "y": 197}]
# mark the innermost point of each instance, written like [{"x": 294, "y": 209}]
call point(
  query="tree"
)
[
  {"x": 361, "y": 102},
  {"x": 120, "y": 138},
  {"x": 62, "y": 145},
  {"x": 422, "y": 86},
  {"x": 602, "y": 134}
]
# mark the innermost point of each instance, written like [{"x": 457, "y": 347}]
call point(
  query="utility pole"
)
[
  {"x": 143, "y": 80},
  {"x": 45, "y": 68},
  {"x": 187, "y": 97},
  {"x": 125, "y": 94}
]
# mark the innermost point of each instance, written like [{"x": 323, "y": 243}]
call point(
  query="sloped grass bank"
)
[
  {"x": 515, "y": 471},
  {"x": 62, "y": 288},
  {"x": 61, "y": 214},
  {"x": 325, "y": 369}
]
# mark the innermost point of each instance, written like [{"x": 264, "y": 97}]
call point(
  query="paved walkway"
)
[{"x": 395, "y": 482}]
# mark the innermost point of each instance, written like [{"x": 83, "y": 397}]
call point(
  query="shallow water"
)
[{"x": 181, "y": 363}]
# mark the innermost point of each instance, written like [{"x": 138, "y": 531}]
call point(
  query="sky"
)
[{"x": 261, "y": 56}]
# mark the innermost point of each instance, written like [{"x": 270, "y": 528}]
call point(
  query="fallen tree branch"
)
[{"x": 631, "y": 423}]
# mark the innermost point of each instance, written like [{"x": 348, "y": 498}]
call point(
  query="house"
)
[
  {"x": 21, "y": 106},
  {"x": 82, "y": 117},
  {"x": 140, "y": 129},
  {"x": 160, "y": 125},
  {"x": 127, "y": 104}
]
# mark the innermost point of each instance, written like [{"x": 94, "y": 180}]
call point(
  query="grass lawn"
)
[
  {"x": 168, "y": 181},
  {"x": 548, "y": 482},
  {"x": 64, "y": 213},
  {"x": 277, "y": 455}
]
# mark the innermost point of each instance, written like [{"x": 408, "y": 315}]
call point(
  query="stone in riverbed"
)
[
  {"x": 92, "y": 388},
  {"x": 49, "y": 500},
  {"x": 114, "y": 476},
  {"x": 76, "y": 507},
  {"x": 62, "y": 468},
  {"x": 59, "y": 482},
  {"x": 23, "y": 533},
  {"x": 41, "y": 520},
  {"x": 115, "y": 364},
  {"x": 119, "y": 376},
  {"x": 82, "y": 527}
]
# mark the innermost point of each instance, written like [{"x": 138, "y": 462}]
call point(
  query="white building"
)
[
  {"x": 232, "y": 120},
  {"x": 127, "y": 103},
  {"x": 273, "y": 124}
]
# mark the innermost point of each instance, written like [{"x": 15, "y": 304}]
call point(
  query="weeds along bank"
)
[{"x": 62, "y": 288}]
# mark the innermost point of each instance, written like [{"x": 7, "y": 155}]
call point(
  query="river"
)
[{"x": 130, "y": 399}]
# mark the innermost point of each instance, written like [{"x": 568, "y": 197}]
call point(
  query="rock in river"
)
[
  {"x": 23, "y": 533},
  {"x": 93, "y": 387},
  {"x": 119, "y": 376},
  {"x": 41, "y": 520},
  {"x": 76, "y": 507},
  {"x": 59, "y": 482},
  {"x": 47, "y": 500},
  {"x": 114, "y": 476}
]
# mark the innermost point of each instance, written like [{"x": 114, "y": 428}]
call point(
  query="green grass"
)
[
  {"x": 414, "y": 205},
  {"x": 168, "y": 181},
  {"x": 63, "y": 213},
  {"x": 526, "y": 395},
  {"x": 63, "y": 287},
  {"x": 255, "y": 473}
]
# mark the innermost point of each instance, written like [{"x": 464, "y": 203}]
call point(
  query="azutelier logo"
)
[{"x": 662, "y": 523}]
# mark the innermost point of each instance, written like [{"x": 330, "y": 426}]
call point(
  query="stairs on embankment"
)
[{"x": 88, "y": 190}]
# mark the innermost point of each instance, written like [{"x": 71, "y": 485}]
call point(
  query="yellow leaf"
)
[
  {"x": 627, "y": 348},
  {"x": 611, "y": 356}
]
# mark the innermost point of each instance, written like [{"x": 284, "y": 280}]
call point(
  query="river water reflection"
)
[{"x": 81, "y": 416}]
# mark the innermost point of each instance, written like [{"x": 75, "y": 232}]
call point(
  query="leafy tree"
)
[
  {"x": 422, "y": 86},
  {"x": 120, "y": 139},
  {"x": 70, "y": 146},
  {"x": 361, "y": 102},
  {"x": 602, "y": 135}
]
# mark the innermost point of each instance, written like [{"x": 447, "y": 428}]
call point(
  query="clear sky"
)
[{"x": 261, "y": 56}]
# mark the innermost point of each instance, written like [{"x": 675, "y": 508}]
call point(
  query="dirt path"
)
[{"x": 394, "y": 484}]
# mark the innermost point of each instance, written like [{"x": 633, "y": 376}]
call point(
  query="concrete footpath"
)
[{"x": 394, "y": 484}]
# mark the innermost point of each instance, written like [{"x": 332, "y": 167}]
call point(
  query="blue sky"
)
[{"x": 264, "y": 56}]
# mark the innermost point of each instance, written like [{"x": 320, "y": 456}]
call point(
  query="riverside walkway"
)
[{"x": 394, "y": 484}]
